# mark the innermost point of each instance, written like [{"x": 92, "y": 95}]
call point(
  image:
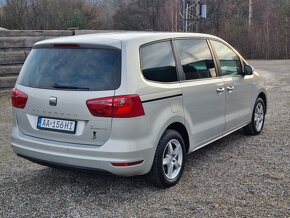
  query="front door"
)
[{"x": 238, "y": 87}]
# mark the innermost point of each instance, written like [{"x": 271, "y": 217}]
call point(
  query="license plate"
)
[{"x": 67, "y": 126}]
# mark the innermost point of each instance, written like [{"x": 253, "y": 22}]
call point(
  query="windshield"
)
[{"x": 93, "y": 69}]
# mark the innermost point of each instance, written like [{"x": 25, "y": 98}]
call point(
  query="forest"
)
[{"x": 259, "y": 29}]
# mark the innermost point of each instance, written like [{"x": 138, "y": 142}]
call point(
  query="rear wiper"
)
[{"x": 62, "y": 86}]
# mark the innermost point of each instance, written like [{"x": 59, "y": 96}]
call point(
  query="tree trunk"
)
[{"x": 250, "y": 14}]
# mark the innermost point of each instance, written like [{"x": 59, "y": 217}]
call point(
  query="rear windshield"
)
[{"x": 72, "y": 69}]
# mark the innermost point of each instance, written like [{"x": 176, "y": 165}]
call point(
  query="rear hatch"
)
[{"x": 58, "y": 81}]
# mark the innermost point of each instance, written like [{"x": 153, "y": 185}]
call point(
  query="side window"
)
[
  {"x": 229, "y": 60},
  {"x": 196, "y": 59},
  {"x": 157, "y": 62}
]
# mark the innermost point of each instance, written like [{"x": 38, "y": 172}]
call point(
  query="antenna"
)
[{"x": 191, "y": 12}]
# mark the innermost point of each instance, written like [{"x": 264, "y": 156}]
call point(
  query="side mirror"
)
[{"x": 248, "y": 70}]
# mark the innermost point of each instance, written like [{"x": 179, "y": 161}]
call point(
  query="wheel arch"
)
[
  {"x": 263, "y": 96},
  {"x": 181, "y": 129}
]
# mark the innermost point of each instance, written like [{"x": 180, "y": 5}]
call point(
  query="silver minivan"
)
[{"x": 132, "y": 103}]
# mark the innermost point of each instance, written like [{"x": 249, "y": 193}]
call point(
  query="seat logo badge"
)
[{"x": 52, "y": 101}]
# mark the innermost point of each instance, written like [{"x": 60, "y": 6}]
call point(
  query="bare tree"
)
[
  {"x": 50, "y": 14},
  {"x": 257, "y": 28}
]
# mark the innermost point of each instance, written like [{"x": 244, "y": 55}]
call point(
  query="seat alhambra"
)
[{"x": 132, "y": 103}]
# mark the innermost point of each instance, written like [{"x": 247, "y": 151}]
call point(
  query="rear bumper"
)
[
  {"x": 79, "y": 156},
  {"x": 64, "y": 166}
]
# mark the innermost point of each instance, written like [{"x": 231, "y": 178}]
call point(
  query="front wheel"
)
[
  {"x": 169, "y": 160},
  {"x": 258, "y": 118}
]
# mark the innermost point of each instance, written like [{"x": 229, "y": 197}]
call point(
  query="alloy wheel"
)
[
  {"x": 172, "y": 159},
  {"x": 259, "y": 116}
]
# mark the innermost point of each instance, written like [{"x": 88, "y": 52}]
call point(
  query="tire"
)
[
  {"x": 170, "y": 149},
  {"x": 258, "y": 119}
]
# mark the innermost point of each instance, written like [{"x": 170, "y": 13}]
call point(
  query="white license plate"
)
[{"x": 68, "y": 126}]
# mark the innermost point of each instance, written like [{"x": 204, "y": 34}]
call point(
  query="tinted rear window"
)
[
  {"x": 157, "y": 62},
  {"x": 72, "y": 69}
]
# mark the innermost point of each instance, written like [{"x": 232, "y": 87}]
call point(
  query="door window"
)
[
  {"x": 229, "y": 61},
  {"x": 157, "y": 62},
  {"x": 196, "y": 59}
]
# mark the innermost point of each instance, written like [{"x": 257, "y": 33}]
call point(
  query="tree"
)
[
  {"x": 50, "y": 14},
  {"x": 267, "y": 37},
  {"x": 157, "y": 15}
]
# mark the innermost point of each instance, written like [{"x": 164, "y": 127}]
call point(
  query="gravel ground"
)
[{"x": 236, "y": 176}]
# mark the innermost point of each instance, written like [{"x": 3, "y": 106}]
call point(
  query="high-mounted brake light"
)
[
  {"x": 18, "y": 98},
  {"x": 123, "y": 106},
  {"x": 66, "y": 45}
]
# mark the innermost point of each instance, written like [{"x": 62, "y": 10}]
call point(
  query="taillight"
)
[
  {"x": 101, "y": 107},
  {"x": 123, "y": 106},
  {"x": 18, "y": 98},
  {"x": 127, "y": 106}
]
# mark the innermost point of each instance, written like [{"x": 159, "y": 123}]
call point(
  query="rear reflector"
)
[
  {"x": 123, "y": 106},
  {"x": 18, "y": 98},
  {"x": 66, "y": 45},
  {"x": 127, "y": 164}
]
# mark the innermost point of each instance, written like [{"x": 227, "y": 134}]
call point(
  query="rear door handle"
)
[
  {"x": 230, "y": 88},
  {"x": 220, "y": 90}
]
